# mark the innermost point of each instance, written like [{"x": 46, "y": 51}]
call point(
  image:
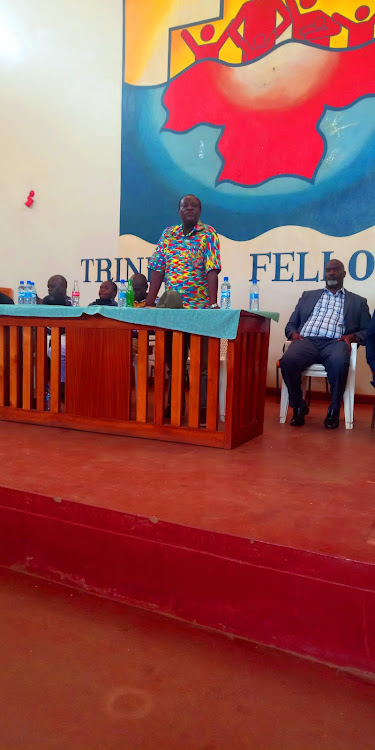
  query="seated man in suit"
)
[
  {"x": 5, "y": 300},
  {"x": 370, "y": 348},
  {"x": 322, "y": 328}
]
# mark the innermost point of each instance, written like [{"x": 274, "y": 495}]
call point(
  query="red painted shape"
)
[
  {"x": 30, "y": 199},
  {"x": 260, "y": 32},
  {"x": 249, "y": 103},
  {"x": 316, "y": 27}
]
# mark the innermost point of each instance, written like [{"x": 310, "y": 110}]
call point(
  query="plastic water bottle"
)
[
  {"x": 28, "y": 293},
  {"x": 21, "y": 293},
  {"x": 75, "y": 295},
  {"x": 48, "y": 398},
  {"x": 254, "y": 295},
  {"x": 130, "y": 294},
  {"x": 225, "y": 294},
  {"x": 122, "y": 294},
  {"x": 32, "y": 293}
]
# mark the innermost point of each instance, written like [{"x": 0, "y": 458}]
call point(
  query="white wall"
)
[{"x": 60, "y": 134}]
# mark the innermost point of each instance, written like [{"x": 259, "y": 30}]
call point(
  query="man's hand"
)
[
  {"x": 349, "y": 338},
  {"x": 296, "y": 336}
]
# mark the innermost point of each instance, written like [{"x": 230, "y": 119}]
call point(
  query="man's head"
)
[
  {"x": 189, "y": 208},
  {"x": 57, "y": 285},
  {"x": 334, "y": 275},
  {"x": 140, "y": 285},
  {"x": 108, "y": 290}
]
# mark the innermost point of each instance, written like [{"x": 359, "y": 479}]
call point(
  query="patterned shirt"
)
[
  {"x": 186, "y": 259},
  {"x": 327, "y": 317}
]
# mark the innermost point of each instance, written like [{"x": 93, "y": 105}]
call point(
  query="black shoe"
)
[
  {"x": 332, "y": 419},
  {"x": 299, "y": 413}
]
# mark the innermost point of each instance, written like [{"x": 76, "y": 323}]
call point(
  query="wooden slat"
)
[
  {"x": 195, "y": 379},
  {"x": 244, "y": 391},
  {"x": 255, "y": 379},
  {"x": 41, "y": 367},
  {"x": 142, "y": 380},
  {"x": 3, "y": 366},
  {"x": 213, "y": 383},
  {"x": 27, "y": 368},
  {"x": 159, "y": 377},
  {"x": 55, "y": 379},
  {"x": 14, "y": 366},
  {"x": 250, "y": 376},
  {"x": 177, "y": 378}
]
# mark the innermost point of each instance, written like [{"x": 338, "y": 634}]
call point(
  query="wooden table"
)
[{"x": 100, "y": 393}]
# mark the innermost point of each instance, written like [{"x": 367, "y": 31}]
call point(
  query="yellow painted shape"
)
[{"x": 142, "y": 21}]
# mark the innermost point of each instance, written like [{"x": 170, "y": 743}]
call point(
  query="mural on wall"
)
[{"x": 265, "y": 109}]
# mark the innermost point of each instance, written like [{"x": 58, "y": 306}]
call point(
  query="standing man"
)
[
  {"x": 187, "y": 259},
  {"x": 322, "y": 329}
]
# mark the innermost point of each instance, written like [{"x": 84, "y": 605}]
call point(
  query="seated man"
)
[
  {"x": 370, "y": 348},
  {"x": 107, "y": 294},
  {"x": 5, "y": 300},
  {"x": 140, "y": 286},
  {"x": 322, "y": 328},
  {"x": 57, "y": 286}
]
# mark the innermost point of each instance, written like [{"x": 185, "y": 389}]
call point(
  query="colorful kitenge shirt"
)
[{"x": 185, "y": 261}]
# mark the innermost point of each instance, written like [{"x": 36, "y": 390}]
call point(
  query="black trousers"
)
[
  {"x": 334, "y": 355},
  {"x": 204, "y": 364}
]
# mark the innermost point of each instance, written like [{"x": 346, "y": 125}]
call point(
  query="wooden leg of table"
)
[
  {"x": 55, "y": 369},
  {"x": 142, "y": 379},
  {"x": 177, "y": 378},
  {"x": 159, "y": 377},
  {"x": 195, "y": 379},
  {"x": 27, "y": 368}
]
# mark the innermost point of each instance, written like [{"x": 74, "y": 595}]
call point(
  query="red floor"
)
[
  {"x": 82, "y": 673},
  {"x": 306, "y": 488}
]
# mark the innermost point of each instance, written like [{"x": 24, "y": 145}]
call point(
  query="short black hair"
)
[
  {"x": 184, "y": 196},
  {"x": 114, "y": 286}
]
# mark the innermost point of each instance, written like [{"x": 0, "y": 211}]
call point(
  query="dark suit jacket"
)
[
  {"x": 5, "y": 300},
  {"x": 370, "y": 344},
  {"x": 356, "y": 314}
]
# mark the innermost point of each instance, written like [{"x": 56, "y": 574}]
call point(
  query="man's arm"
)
[
  {"x": 359, "y": 337},
  {"x": 291, "y": 328},
  {"x": 364, "y": 323},
  {"x": 212, "y": 283},
  {"x": 155, "y": 284},
  {"x": 370, "y": 345}
]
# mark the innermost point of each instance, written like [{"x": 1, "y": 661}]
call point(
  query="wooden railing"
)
[{"x": 99, "y": 393}]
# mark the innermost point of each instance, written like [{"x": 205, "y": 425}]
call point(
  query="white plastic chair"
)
[{"x": 318, "y": 371}]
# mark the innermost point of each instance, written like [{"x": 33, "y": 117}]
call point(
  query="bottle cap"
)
[
  {"x": 226, "y": 278},
  {"x": 22, "y": 282},
  {"x": 122, "y": 281}
]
